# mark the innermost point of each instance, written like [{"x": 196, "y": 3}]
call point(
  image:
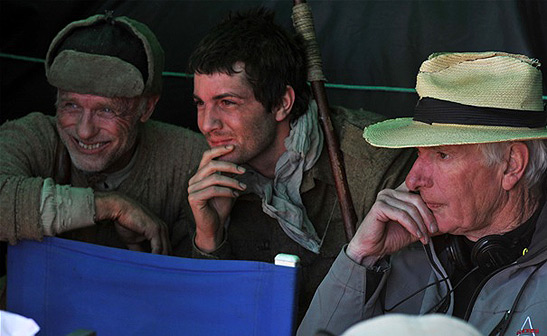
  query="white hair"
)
[{"x": 536, "y": 171}]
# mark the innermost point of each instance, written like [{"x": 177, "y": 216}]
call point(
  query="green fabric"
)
[
  {"x": 95, "y": 74},
  {"x": 81, "y": 66}
]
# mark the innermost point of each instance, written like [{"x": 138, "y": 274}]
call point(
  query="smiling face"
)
[
  {"x": 463, "y": 193},
  {"x": 229, "y": 114},
  {"x": 100, "y": 133}
]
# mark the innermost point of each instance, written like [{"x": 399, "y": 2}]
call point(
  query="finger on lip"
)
[
  {"x": 218, "y": 151},
  {"x": 222, "y": 149}
]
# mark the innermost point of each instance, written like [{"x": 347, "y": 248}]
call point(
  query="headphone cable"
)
[
  {"x": 503, "y": 324},
  {"x": 433, "y": 265},
  {"x": 433, "y": 309},
  {"x": 413, "y": 294},
  {"x": 444, "y": 279}
]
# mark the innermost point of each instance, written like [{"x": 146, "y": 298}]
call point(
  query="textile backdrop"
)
[{"x": 371, "y": 43}]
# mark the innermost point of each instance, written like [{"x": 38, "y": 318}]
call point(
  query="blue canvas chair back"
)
[{"x": 66, "y": 285}]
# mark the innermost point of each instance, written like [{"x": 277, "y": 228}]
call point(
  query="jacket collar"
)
[{"x": 538, "y": 246}]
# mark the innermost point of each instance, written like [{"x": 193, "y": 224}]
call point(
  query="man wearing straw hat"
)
[
  {"x": 466, "y": 235},
  {"x": 265, "y": 186}
]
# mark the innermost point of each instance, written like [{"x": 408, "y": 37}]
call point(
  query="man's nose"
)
[
  {"x": 419, "y": 175},
  {"x": 208, "y": 119},
  {"x": 87, "y": 126}
]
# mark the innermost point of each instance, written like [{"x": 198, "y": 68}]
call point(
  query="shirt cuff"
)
[
  {"x": 221, "y": 252},
  {"x": 381, "y": 266},
  {"x": 65, "y": 208}
]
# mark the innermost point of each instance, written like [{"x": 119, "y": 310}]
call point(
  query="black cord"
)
[
  {"x": 444, "y": 279},
  {"x": 413, "y": 294},
  {"x": 429, "y": 254},
  {"x": 452, "y": 290},
  {"x": 432, "y": 284},
  {"x": 501, "y": 326},
  {"x": 506, "y": 319},
  {"x": 430, "y": 258}
]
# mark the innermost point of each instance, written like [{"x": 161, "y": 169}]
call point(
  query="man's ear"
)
[
  {"x": 282, "y": 112},
  {"x": 150, "y": 106},
  {"x": 516, "y": 164}
]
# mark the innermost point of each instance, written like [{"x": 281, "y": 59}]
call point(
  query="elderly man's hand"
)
[
  {"x": 135, "y": 224},
  {"x": 211, "y": 195},
  {"x": 396, "y": 219}
]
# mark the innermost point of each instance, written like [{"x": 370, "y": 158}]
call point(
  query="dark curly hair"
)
[{"x": 272, "y": 57}]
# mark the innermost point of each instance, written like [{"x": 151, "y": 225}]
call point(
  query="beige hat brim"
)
[{"x": 404, "y": 133}]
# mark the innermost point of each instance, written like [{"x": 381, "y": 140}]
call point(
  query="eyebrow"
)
[
  {"x": 445, "y": 147},
  {"x": 65, "y": 96},
  {"x": 222, "y": 96}
]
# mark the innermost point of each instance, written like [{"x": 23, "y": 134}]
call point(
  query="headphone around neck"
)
[{"x": 489, "y": 253}]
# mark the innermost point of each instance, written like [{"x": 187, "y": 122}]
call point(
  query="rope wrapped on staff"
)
[{"x": 303, "y": 24}]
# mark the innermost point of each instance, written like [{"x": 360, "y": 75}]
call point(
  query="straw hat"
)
[{"x": 469, "y": 98}]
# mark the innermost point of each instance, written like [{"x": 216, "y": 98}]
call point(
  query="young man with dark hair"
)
[{"x": 265, "y": 185}]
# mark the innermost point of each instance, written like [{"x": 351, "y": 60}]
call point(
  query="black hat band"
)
[{"x": 431, "y": 110}]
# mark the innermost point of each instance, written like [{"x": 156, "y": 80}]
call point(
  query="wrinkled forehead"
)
[{"x": 460, "y": 149}]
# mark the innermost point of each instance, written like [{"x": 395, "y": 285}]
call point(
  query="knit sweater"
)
[{"x": 167, "y": 156}]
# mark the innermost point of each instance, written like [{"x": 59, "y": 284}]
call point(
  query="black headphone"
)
[{"x": 489, "y": 253}]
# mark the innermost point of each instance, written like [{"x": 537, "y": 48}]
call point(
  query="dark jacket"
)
[{"x": 253, "y": 235}]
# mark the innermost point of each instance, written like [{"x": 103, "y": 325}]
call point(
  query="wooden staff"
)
[{"x": 303, "y": 24}]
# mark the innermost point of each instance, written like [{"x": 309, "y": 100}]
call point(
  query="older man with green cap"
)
[
  {"x": 466, "y": 235},
  {"x": 100, "y": 171}
]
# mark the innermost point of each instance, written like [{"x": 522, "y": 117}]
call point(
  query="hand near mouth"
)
[
  {"x": 211, "y": 194},
  {"x": 397, "y": 218}
]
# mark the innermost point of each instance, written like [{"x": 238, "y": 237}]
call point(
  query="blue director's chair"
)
[{"x": 67, "y": 285}]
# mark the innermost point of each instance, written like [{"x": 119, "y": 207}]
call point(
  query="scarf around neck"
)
[{"x": 281, "y": 198}]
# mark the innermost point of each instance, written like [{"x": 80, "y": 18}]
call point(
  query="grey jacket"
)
[{"x": 341, "y": 299}]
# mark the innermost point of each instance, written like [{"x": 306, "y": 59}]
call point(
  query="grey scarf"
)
[{"x": 281, "y": 196}]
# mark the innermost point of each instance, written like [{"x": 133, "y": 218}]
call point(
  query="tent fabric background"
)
[
  {"x": 365, "y": 42},
  {"x": 373, "y": 43}
]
